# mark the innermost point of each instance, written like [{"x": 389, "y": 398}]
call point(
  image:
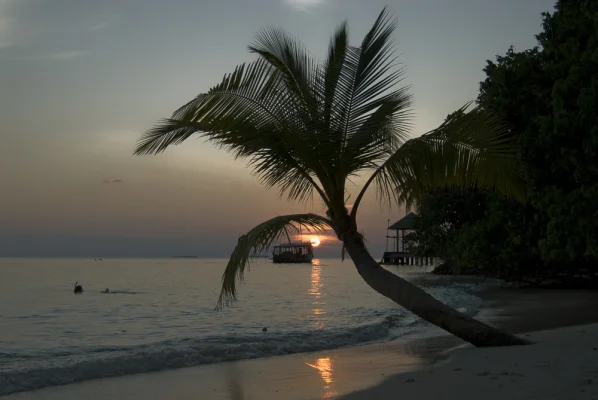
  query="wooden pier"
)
[{"x": 406, "y": 258}]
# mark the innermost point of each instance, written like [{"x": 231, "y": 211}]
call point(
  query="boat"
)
[{"x": 293, "y": 253}]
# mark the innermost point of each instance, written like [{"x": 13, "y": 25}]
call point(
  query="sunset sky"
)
[{"x": 81, "y": 79}]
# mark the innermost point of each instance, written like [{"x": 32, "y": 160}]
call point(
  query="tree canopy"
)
[{"x": 549, "y": 97}]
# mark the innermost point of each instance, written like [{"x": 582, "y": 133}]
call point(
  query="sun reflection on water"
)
[
  {"x": 319, "y": 319},
  {"x": 325, "y": 367}
]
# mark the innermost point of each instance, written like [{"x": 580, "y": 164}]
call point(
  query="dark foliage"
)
[{"x": 549, "y": 97}]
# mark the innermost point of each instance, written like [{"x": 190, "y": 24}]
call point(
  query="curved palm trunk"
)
[{"x": 421, "y": 303}]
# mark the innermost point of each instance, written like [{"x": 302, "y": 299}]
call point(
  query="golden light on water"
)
[
  {"x": 319, "y": 314},
  {"x": 325, "y": 367}
]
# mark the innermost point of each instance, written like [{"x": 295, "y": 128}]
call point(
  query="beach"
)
[{"x": 562, "y": 364}]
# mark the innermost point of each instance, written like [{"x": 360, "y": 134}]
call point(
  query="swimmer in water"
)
[
  {"x": 78, "y": 288},
  {"x": 106, "y": 291}
]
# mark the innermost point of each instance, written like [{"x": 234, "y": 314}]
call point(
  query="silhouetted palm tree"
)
[{"x": 308, "y": 127}]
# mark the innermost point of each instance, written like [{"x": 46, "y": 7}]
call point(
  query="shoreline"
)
[
  {"x": 338, "y": 372},
  {"x": 561, "y": 364},
  {"x": 317, "y": 375}
]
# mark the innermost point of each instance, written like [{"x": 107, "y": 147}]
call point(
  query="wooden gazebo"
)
[{"x": 397, "y": 253}]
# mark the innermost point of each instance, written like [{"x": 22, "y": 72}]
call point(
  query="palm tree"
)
[{"x": 306, "y": 128}]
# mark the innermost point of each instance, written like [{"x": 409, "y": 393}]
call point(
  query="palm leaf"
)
[
  {"x": 332, "y": 70},
  {"x": 380, "y": 134},
  {"x": 469, "y": 150},
  {"x": 297, "y": 69},
  {"x": 300, "y": 74},
  {"x": 251, "y": 114},
  {"x": 260, "y": 239},
  {"x": 364, "y": 111}
]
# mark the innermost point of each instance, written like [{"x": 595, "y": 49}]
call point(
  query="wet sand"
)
[{"x": 526, "y": 310}]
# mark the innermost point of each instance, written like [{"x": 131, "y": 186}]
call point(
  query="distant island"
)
[{"x": 185, "y": 256}]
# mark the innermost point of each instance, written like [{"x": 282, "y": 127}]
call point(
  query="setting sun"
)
[{"x": 315, "y": 242}]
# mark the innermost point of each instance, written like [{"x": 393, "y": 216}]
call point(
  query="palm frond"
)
[
  {"x": 251, "y": 114},
  {"x": 365, "y": 112},
  {"x": 301, "y": 74},
  {"x": 297, "y": 68},
  {"x": 331, "y": 71},
  {"x": 260, "y": 239},
  {"x": 378, "y": 136},
  {"x": 248, "y": 97},
  {"x": 469, "y": 150}
]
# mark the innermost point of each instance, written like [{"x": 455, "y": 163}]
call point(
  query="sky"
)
[{"x": 82, "y": 79}]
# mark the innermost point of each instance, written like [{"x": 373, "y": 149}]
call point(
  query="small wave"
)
[
  {"x": 119, "y": 292},
  {"x": 65, "y": 367},
  {"x": 10, "y": 356},
  {"x": 32, "y": 316}
]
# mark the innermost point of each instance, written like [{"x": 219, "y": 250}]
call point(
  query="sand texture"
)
[{"x": 562, "y": 364}]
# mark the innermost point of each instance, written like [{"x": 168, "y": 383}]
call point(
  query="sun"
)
[{"x": 315, "y": 241}]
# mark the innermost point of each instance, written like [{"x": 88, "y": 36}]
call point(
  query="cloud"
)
[
  {"x": 303, "y": 4},
  {"x": 62, "y": 55},
  {"x": 117, "y": 181},
  {"x": 112, "y": 181}
]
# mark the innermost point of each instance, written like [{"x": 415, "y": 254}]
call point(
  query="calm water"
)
[{"x": 160, "y": 314}]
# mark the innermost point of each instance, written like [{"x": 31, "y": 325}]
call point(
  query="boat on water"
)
[{"x": 293, "y": 253}]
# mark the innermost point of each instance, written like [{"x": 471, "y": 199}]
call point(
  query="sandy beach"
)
[{"x": 563, "y": 364}]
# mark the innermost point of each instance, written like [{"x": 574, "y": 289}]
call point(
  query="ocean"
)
[{"x": 160, "y": 314}]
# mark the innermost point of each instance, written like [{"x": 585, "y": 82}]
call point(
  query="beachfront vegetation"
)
[
  {"x": 308, "y": 127},
  {"x": 549, "y": 97}
]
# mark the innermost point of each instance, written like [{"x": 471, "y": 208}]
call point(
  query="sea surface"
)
[{"x": 160, "y": 314}]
